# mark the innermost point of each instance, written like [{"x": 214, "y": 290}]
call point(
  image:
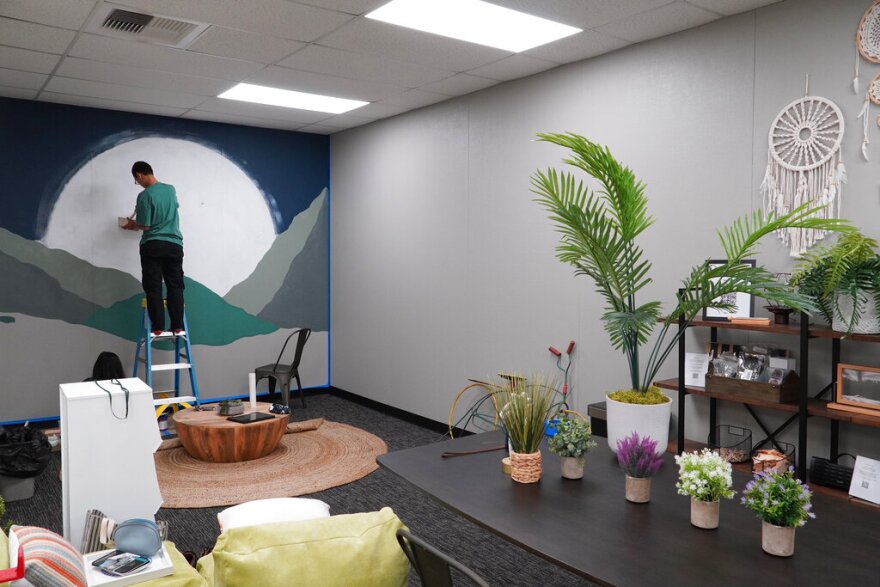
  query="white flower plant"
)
[{"x": 704, "y": 475}]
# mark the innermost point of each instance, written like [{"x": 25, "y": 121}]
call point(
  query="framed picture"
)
[
  {"x": 745, "y": 303},
  {"x": 858, "y": 389}
]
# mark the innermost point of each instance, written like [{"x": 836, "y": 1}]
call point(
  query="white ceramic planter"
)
[
  {"x": 777, "y": 540},
  {"x": 647, "y": 420},
  {"x": 572, "y": 467},
  {"x": 868, "y": 322},
  {"x": 705, "y": 514}
]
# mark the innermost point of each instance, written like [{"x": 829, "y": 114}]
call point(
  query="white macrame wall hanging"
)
[
  {"x": 804, "y": 164},
  {"x": 868, "y": 39},
  {"x": 872, "y": 95}
]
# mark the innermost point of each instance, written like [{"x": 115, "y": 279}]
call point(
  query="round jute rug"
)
[{"x": 304, "y": 462}]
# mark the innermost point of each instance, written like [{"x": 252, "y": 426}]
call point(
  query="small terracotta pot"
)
[
  {"x": 572, "y": 467},
  {"x": 638, "y": 489},
  {"x": 525, "y": 468},
  {"x": 704, "y": 514},
  {"x": 777, "y": 540}
]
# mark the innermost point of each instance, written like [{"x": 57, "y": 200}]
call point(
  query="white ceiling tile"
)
[
  {"x": 26, "y": 35},
  {"x": 25, "y": 60},
  {"x": 281, "y": 18},
  {"x": 242, "y": 120},
  {"x": 316, "y": 83},
  {"x": 67, "y": 14},
  {"x": 241, "y": 45},
  {"x": 327, "y": 60},
  {"x": 278, "y": 113},
  {"x": 659, "y": 22},
  {"x": 728, "y": 7},
  {"x": 320, "y": 129},
  {"x": 414, "y": 99},
  {"x": 91, "y": 102},
  {"x": 459, "y": 85},
  {"x": 581, "y": 13},
  {"x": 22, "y": 79},
  {"x": 576, "y": 47},
  {"x": 349, "y": 6},
  {"x": 162, "y": 58},
  {"x": 402, "y": 44},
  {"x": 115, "y": 73},
  {"x": 380, "y": 110},
  {"x": 513, "y": 67},
  {"x": 21, "y": 93},
  {"x": 79, "y": 87}
]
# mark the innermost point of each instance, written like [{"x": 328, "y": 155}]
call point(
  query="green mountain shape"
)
[
  {"x": 302, "y": 299},
  {"x": 98, "y": 285},
  {"x": 211, "y": 320},
  {"x": 27, "y": 289},
  {"x": 262, "y": 285}
]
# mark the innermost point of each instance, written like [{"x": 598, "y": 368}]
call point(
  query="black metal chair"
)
[
  {"x": 282, "y": 373},
  {"x": 432, "y": 566}
]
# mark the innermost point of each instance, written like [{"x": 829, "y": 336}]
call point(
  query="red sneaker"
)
[
  {"x": 179, "y": 332},
  {"x": 156, "y": 333}
]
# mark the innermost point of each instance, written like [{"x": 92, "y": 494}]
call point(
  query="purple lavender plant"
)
[{"x": 638, "y": 456}]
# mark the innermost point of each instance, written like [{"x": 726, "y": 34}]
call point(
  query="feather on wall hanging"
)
[{"x": 804, "y": 164}]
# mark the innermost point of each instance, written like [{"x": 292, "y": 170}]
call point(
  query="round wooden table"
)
[{"x": 208, "y": 436}]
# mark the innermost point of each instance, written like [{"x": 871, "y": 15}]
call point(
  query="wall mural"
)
[{"x": 254, "y": 213}]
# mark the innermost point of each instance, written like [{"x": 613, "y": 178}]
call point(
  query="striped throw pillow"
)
[{"x": 50, "y": 560}]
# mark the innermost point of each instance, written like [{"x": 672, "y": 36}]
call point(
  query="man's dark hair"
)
[
  {"x": 142, "y": 167},
  {"x": 107, "y": 366}
]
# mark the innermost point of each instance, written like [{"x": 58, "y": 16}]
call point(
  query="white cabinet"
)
[{"x": 106, "y": 459}]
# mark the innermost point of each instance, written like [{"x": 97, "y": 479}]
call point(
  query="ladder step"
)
[
  {"x": 171, "y": 366},
  {"x": 164, "y": 401}
]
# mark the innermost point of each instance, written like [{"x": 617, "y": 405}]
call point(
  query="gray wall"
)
[{"x": 443, "y": 267}]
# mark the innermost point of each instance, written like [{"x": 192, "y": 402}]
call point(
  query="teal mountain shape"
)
[
  {"x": 7, "y": 319},
  {"x": 97, "y": 285},
  {"x": 211, "y": 320},
  {"x": 263, "y": 284},
  {"x": 302, "y": 299},
  {"x": 27, "y": 289},
  {"x": 31, "y": 290}
]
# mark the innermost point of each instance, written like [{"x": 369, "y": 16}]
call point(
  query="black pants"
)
[{"x": 161, "y": 260}]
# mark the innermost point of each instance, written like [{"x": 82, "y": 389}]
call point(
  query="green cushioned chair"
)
[{"x": 353, "y": 550}]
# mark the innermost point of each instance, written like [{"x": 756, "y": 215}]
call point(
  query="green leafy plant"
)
[
  {"x": 704, "y": 475},
  {"x": 573, "y": 438},
  {"x": 779, "y": 498},
  {"x": 525, "y": 404},
  {"x": 599, "y": 232},
  {"x": 849, "y": 267}
]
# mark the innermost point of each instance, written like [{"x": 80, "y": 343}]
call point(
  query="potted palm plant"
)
[
  {"x": 844, "y": 280},
  {"x": 525, "y": 405},
  {"x": 572, "y": 441},
  {"x": 599, "y": 238}
]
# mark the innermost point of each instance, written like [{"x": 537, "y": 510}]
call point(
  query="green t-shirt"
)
[{"x": 157, "y": 208}]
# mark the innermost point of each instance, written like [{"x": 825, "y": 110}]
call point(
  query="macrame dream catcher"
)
[
  {"x": 868, "y": 39},
  {"x": 804, "y": 164},
  {"x": 872, "y": 95}
]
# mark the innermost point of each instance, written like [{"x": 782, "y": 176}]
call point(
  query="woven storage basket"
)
[{"x": 830, "y": 473}]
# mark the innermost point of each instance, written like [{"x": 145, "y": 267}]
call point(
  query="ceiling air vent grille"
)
[
  {"x": 126, "y": 22},
  {"x": 113, "y": 21}
]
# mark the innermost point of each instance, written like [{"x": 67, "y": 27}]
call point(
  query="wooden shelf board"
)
[
  {"x": 816, "y": 330},
  {"x": 815, "y": 407}
]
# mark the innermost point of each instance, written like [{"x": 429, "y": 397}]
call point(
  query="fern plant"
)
[
  {"x": 599, "y": 232},
  {"x": 849, "y": 267}
]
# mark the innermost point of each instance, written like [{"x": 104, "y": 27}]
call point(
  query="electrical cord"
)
[{"x": 110, "y": 395}]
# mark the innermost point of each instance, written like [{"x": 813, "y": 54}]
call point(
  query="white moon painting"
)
[{"x": 225, "y": 219}]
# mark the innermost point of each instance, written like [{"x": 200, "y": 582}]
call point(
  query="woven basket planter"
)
[{"x": 525, "y": 468}]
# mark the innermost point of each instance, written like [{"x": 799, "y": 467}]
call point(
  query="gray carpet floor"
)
[{"x": 498, "y": 561}]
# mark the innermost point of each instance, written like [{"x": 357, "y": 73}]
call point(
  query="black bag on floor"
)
[{"x": 24, "y": 451}]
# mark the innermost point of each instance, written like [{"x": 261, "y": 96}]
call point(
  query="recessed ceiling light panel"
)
[
  {"x": 474, "y": 21},
  {"x": 290, "y": 99}
]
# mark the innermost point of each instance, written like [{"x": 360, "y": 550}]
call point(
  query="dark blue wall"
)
[{"x": 42, "y": 145}]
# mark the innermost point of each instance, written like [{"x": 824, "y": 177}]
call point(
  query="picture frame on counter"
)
[{"x": 858, "y": 389}]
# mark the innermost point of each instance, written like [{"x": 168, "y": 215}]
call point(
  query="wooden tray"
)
[{"x": 785, "y": 393}]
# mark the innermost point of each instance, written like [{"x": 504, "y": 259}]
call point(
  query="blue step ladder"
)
[{"x": 169, "y": 398}]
